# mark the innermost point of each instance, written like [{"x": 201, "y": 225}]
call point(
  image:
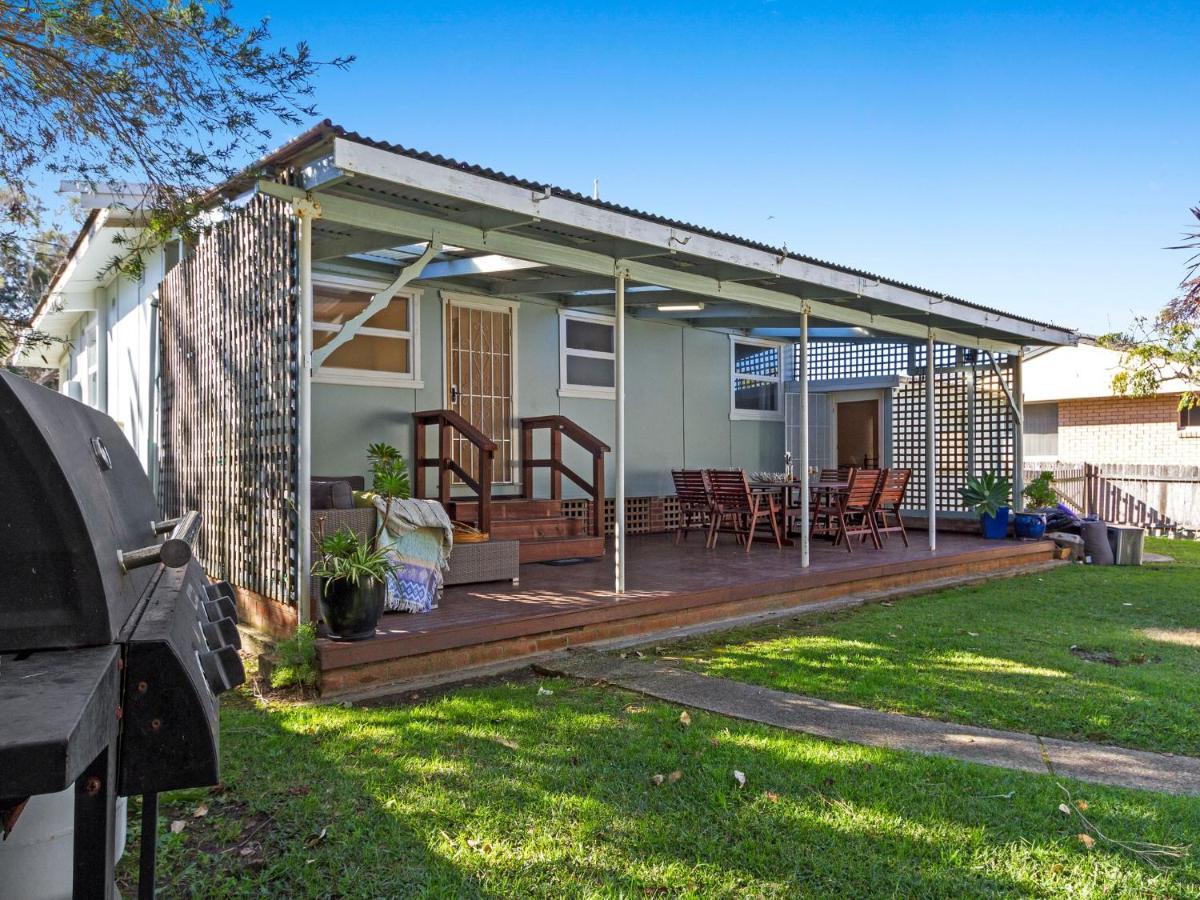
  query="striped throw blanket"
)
[{"x": 418, "y": 537}]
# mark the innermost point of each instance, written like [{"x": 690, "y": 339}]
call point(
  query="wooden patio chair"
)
[
  {"x": 891, "y": 498},
  {"x": 695, "y": 501},
  {"x": 735, "y": 505},
  {"x": 822, "y": 507},
  {"x": 855, "y": 512}
]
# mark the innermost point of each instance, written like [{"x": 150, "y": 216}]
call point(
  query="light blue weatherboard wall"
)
[{"x": 676, "y": 406}]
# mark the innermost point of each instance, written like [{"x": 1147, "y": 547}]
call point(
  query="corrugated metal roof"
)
[{"x": 329, "y": 129}]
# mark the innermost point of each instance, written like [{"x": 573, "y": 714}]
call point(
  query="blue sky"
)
[{"x": 1033, "y": 157}]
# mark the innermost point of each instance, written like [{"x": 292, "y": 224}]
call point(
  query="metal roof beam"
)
[
  {"x": 545, "y": 205},
  {"x": 416, "y": 226},
  {"x": 487, "y": 264}
]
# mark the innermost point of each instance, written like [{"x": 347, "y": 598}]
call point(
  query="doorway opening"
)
[{"x": 858, "y": 433}]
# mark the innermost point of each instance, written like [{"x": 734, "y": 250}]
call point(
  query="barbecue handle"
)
[{"x": 174, "y": 552}]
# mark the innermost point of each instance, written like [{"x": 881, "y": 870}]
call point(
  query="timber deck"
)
[{"x": 559, "y": 606}]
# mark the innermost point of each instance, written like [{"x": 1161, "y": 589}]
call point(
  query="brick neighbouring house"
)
[
  {"x": 1133, "y": 460},
  {"x": 1072, "y": 414}
]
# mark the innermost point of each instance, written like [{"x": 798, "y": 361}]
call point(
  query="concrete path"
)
[{"x": 1163, "y": 772}]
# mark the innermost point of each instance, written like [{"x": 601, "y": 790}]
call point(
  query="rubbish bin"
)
[{"x": 1127, "y": 542}]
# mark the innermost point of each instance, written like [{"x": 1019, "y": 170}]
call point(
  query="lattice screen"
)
[
  {"x": 837, "y": 360},
  {"x": 229, "y": 364},
  {"x": 973, "y": 421}
]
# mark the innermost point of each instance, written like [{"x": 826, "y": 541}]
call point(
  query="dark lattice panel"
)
[
  {"x": 643, "y": 515},
  {"x": 229, "y": 366},
  {"x": 837, "y": 360}
]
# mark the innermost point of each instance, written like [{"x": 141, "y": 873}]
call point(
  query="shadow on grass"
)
[{"x": 499, "y": 791}]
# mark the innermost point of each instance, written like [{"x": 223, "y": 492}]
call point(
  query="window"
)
[
  {"x": 587, "y": 355},
  {"x": 384, "y": 349},
  {"x": 1041, "y": 430},
  {"x": 757, "y": 379},
  {"x": 1189, "y": 419}
]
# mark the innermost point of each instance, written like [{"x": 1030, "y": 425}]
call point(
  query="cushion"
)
[
  {"x": 331, "y": 494},
  {"x": 357, "y": 482}
]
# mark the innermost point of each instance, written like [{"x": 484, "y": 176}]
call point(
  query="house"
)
[
  {"x": 510, "y": 332},
  {"x": 1073, "y": 415},
  {"x": 1130, "y": 460}
]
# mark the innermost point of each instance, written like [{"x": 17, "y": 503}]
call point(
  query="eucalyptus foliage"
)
[
  {"x": 172, "y": 96},
  {"x": 1167, "y": 347}
]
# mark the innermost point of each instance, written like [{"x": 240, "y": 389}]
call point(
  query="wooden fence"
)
[
  {"x": 229, "y": 369},
  {"x": 1163, "y": 499}
]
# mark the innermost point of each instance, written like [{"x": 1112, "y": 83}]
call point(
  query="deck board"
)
[{"x": 660, "y": 578}]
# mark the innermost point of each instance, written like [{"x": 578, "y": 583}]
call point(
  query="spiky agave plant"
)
[{"x": 987, "y": 493}]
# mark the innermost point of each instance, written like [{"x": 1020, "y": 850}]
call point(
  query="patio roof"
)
[{"x": 379, "y": 204}]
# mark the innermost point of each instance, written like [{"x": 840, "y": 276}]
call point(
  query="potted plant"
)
[
  {"x": 353, "y": 570},
  {"x": 1041, "y": 495},
  {"x": 989, "y": 496}
]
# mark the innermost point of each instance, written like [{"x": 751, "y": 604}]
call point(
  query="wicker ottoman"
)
[{"x": 486, "y": 561}]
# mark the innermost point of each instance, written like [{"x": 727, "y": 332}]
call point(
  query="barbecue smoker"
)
[{"x": 113, "y": 643}]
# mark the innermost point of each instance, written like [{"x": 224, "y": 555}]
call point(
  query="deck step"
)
[
  {"x": 536, "y": 529},
  {"x": 550, "y": 549},
  {"x": 544, "y": 532}
]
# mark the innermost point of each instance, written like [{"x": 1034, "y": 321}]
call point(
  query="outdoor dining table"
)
[{"x": 825, "y": 494}]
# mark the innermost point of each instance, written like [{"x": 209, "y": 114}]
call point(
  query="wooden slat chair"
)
[
  {"x": 822, "y": 512},
  {"x": 855, "y": 512},
  {"x": 739, "y": 508},
  {"x": 695, "y": 501},
  {"x": 891, "y": 497}
]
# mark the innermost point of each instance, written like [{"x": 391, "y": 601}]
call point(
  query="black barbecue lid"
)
[{"x": 72, "y": 495}]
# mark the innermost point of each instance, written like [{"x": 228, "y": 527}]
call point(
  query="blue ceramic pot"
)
[
  {"x": 995, "y": 528},
  {"x": 1030, "y": 526}
]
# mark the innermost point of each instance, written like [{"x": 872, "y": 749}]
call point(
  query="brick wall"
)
[{"x": 1124, "y": 430}]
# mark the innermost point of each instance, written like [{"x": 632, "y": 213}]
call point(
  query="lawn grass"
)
[
  {"x": 1000, "y": 654},
  {"x": 505, "y": 791}
]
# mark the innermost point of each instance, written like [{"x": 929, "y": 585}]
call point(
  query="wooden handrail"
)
[
  {"x": 448, "y": 420},
  {"x": 558, "y": 426},
  {"x": 575, "y": 432},
  {"x": 459, "y": 424}
]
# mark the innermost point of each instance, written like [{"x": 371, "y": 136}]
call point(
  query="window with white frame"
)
[
  {"x": 383, "y": 351},
  {"x": 587, "y": 362},
  {"x": 756, "y": 374}
]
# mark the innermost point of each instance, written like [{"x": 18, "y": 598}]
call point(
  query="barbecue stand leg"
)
[
  {"x": 148, "y": 856},
  {"x": 95, "y": 827}
]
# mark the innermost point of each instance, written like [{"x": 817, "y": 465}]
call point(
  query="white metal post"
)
[
  {"x": 1018, "y": 398},
  {"x": 804, "y": 477},
  {"x": 619, "y": 505},
  {"x": 930, "y": 446},
  {"x": 304, "y": 213},
  {"x": 101, "y": 322}
]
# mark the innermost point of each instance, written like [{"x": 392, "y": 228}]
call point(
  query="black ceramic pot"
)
[{"x": 352, "y": 609}]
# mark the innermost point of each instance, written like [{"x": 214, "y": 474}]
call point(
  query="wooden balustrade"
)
[
  {"x": 558, "y": 426},
  {"x": 447, "y": 422}
]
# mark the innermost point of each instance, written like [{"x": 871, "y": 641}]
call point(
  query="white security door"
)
[{"x": 480, "y": 354}]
